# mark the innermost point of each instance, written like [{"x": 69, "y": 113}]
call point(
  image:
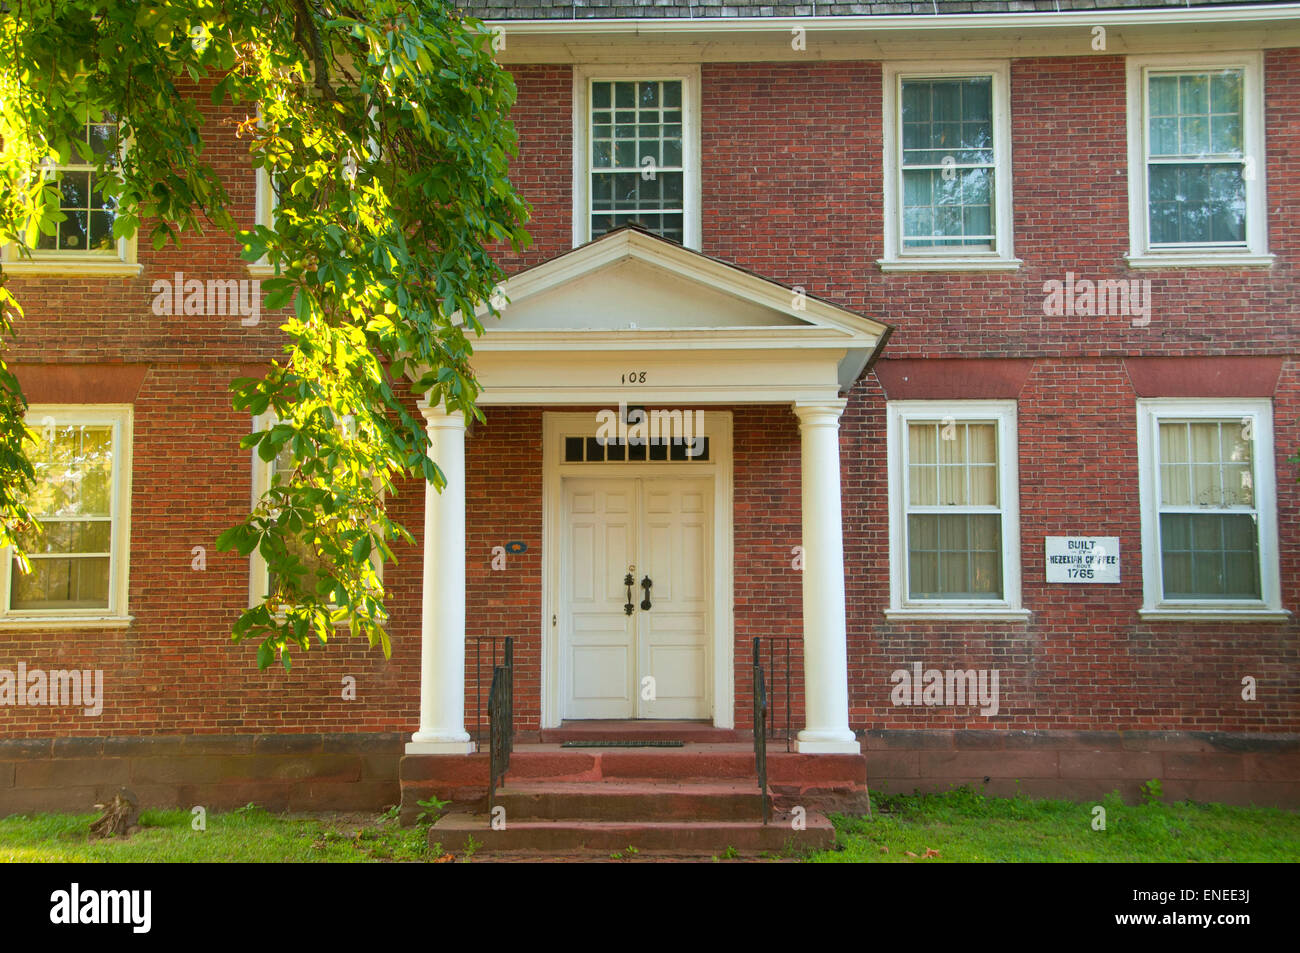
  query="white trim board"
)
[
  {"x": 718, "y": 428},
  {"x": 940, "y": 37}
]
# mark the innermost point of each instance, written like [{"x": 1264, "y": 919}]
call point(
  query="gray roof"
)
[{"x": 722, "y": 9}]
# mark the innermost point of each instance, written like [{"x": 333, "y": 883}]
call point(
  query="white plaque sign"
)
[{"x": 1082, "y": 558}]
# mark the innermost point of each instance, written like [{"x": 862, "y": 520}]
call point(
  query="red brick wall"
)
[{"x": 792, "y": 185}]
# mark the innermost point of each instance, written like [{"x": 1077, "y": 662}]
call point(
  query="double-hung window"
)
[
  {"x": 954, "y": 509},
  {"x": 637, "y": 154},
  {"x": 948, "y": 168},
  {"x": 1196, "y": 161},
  {"x": 83, "y": 241},
  {"x": 81, "y": 496},
  {"x": 1209, "y": 530}
]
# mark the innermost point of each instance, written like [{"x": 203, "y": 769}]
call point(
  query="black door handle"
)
[
  {"x": 646, "y": 584},
  {"x": 628, "y": 581}
]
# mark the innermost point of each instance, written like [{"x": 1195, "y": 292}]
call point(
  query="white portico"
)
[{"x": 633, "y": 320}]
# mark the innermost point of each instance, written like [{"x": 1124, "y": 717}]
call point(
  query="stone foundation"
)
[{"x": 343, "y": 772}]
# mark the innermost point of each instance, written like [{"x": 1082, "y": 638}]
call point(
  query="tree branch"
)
[{"x": 308, "y": 37}]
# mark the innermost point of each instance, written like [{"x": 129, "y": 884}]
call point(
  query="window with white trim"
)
[
  {"x": 83, "y": 241},
  {"x": 1196, "y": 161},
  {"x": 81, "y": 496},
  {"x": 1209, "y": 524},
  {"x": 637, "y": 154},
  {"x": 947, "y": 141},
  {"x": 954, "y": 508}
]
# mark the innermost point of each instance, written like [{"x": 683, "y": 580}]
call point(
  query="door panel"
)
[
  {"x": 662, "y": 527},
  {"x": 600, "y": 652},
  {"x": 673, "y": 634}
]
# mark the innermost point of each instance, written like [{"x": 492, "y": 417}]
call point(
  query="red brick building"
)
[{"x": 976, "y": 323}]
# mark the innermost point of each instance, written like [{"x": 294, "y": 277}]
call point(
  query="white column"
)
[
  {"x": 825, "y": 649},
  {"x": 442, "y": 631}
]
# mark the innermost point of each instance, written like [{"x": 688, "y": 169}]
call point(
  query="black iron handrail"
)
[
  {"x": 497, "y": 647},
  {"x": 501, "y": 721},
  {"x": 773, "y": 657},
  {"x": 760, "y": 732}
]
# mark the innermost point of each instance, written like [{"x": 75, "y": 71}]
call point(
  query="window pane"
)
[
  {"x": 62, "y": 583},
  {"x": 947, "y": 207},
  {"x": 1197, "y": 203},
  {"x": 1206, "y": 463},
  {"x": 72, "y": 496},
  {"x": 643, "y": 148},
  {"x": 955, "y": 556},
  {"x": 1209, "y": 555},
  {"x": 952, "y": 464},
  {"x": 74, "y": 466},
  {"x": 1195, "y": 114},
  {"x": 947, "y": 119},
  {"x": 88, "y": 213}
]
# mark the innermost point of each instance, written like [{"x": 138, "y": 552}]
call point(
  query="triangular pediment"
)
[
  {"x": 684, "y": 325},
  {"x": 633, "y": 281}
]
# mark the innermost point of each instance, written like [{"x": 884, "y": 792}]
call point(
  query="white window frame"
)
[
  {"x": 1003, "y": 414},
  {"x": 1150, "y": 412},
  {"x": 263, "y": 214},
  {"x": 121, "y": 418},
  {"x": 898, "y": 258},
  {"x": 118, "y": 263},
  {"x": 689, "y": 75},
  {"x": 259, "y": 577},
  {"x": 1255, "y": 254}
]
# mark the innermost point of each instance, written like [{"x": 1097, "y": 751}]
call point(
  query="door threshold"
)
[{"x": 640, "y": 729}]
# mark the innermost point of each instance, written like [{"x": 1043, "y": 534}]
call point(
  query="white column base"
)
[
  {"x": 828, "y": 747},
  {"x": 441, "y": 747}
]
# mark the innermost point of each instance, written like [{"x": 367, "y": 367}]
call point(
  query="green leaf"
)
[
  {"x": 361, "y": 549},
  {"x": 278, "y": 298}
]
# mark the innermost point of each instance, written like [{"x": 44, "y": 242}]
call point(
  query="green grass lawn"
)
[
  {"x": 964, "y": 825},
  {"x": 247, "y": 835},
  {"x": 961, "y": 825}
]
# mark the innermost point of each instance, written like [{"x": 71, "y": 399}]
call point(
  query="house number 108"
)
[{"x": 634, "y": 377}]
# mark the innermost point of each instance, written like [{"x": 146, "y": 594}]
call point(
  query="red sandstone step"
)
[
  {"x": 717, "y": 762},
  {"x": 453, "y": 831},
  {"x": 630, "y": 801}
]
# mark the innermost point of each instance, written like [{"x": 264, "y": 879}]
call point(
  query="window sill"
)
[
  {"x": 260, "y": 270},
  {"x": 954, "y": 614},
  {"x": 1214, "y": 615},
  {"x": 949, "y": 264},
  {"x": 66, "y": 622},
  {"x": 73, "y": 268},
  {"x": 1210, "y": 260}
]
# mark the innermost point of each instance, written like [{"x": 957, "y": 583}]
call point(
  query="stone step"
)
[
  {"x": 453, "y": 832},
  {"x": 823, "y": 782},
  {"x": 630, "y": 801}
]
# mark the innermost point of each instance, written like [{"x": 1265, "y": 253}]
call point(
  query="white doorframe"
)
[{"x": 718, "y": 428}]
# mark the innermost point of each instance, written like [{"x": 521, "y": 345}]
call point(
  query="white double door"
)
[{"x": 651, "y": 662}]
